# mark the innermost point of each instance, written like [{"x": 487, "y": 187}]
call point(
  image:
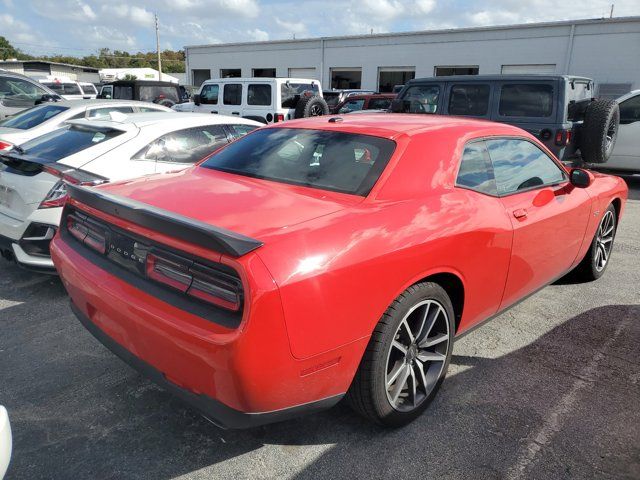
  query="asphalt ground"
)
[{"x": 550, "y": 389}]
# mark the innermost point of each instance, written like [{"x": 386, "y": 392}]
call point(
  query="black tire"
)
[
  {"x": 368, "y": 394},
  {"x": 591, "y": 268},
  {"x": 599, "y": 131},
  {"x": 313, "y": 106}
]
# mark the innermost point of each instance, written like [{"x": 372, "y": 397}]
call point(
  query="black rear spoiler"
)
[{"x": 166, "y": 222}]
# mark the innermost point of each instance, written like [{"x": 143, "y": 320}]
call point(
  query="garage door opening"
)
[
  {"x": 303, "y": 73},
  {"x": 264, "y": 72},
  {"x": 200, "y": 75},
  {"x": 448, "y": 70},
  {"x": 346, "y": 78},
  {"x": 230, "y": 73},
  {"x": 389, "y": 77}
]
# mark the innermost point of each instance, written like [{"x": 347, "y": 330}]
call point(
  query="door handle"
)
[
  {"x": 214, "y": 111},
  {"x": 235, "y": 113},
  {"x": 520, "y": 213}
]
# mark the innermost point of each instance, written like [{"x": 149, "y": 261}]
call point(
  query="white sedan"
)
[
  {"x": 47, "y": 117},
  {"x": 33, "y": 176}
]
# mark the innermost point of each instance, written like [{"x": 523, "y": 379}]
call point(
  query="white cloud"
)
[
  {"x": 135, "y": 15},
  {"x": 15, "y": 30},
  {"x": 218, "y": 8},
  {"x": 258, "y": 35},
  {"x": 298, "y": 28}
]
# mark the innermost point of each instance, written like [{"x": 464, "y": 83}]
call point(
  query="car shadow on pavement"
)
[
  {"x": 78, "y": 412},
  {"x": 633, "y": 182}
]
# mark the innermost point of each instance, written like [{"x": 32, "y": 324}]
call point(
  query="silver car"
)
[
  {"x": 47, "y": 117},
  {"x": 18, "y": 93}
]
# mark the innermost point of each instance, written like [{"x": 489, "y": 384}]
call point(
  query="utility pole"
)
[
  {"x": 611, "y": 12},
  {"x": 158, "y": 49}
]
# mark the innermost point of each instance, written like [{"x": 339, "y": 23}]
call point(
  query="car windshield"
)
[
  {"x": 33, "y": 117},
  {"x": 66, "y": 141},
  {"x": 64, "y": 88},
  {"x": 336, "y": 161}
]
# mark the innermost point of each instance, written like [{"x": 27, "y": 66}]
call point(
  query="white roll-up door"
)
[
  {"x": 541, "y": 69},
  {"x": 303, "y": 73}
]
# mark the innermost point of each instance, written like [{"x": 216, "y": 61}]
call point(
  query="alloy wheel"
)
[
  {"x": 604, "y": 240},
  {"x": 417, "y": 355}
]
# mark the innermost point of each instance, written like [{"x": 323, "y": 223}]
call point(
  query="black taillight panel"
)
[{"x": 193, "y": 280}]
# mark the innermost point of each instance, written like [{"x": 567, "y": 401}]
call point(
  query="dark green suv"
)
[{"x": 560, "y": 110}]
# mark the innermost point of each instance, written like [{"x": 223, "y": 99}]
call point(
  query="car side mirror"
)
[
  {"x": 397, "y": 105},
  {"x": 196, "y": 99},
  {"x": 581, "y": 178},
  {"x": 47, "y": 97}
]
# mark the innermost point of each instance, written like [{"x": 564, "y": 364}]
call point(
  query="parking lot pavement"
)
[{"x": 549, "y": 389}]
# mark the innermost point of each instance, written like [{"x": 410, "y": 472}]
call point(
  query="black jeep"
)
[
  {"x": 560, "y": 110},
  {"x": 162, "y": 93}
]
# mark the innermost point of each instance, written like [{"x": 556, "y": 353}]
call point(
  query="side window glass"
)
[
  {"x": 421, "y": 99},
  {"x": 379, "y": 103},
  {"x": 209, "y": 94},
  {"x": 352, "y": 106},
  {"x": 232, "y": 94},
  {"x": 15, "y": 92},
  {"x": 469, "y": 100},
  {"x": 520, "y": 165},
  {"x": 630, "y": 110},
  {"x": 476, "y": 171},
  {"x": 259, "y": 94},
  {"x": 97, "y": 113},
  {"x": 185, "y": 146},
  {"x": 526, "y": 100}
]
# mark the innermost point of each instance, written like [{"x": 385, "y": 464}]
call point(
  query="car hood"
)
[{"x": 253, "y": 207}]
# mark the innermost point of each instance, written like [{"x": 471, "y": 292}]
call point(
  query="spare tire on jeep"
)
[
  {"x": 599, "y": 131},
  {"x": 312, "y": 106}
]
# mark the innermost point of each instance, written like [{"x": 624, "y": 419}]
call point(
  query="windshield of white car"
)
[
  {"x": 66, "y": 141},
  {"x": 64, "y": 88},
  {"x": 33, "y": 117},
  {"x": 336, "y": 161}
]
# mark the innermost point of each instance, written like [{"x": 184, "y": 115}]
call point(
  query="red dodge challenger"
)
[{"x": 328, "y": 257}]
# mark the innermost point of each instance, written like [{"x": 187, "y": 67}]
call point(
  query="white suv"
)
[{"x": 265, "y": 100}]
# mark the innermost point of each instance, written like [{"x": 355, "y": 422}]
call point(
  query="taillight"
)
[
  {"x": 57, "y": 196},
  {"x": 215, "y": 287},
  {"x": 5, "y": 145},
  {"x": 563, "y": 137},
  {"x": 201, "y": 282},
  {"x": 92, "y": 236},
  {"x": 279, "y": 117},
  {"x": 172, "y": 273}
]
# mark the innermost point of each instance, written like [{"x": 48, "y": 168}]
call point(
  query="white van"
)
[{"x": 265, "y": 100}]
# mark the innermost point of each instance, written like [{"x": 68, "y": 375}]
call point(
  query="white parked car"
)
[
  {"x": 50, "y": 116},
  {"x": 5, "y": 441},
  {"x": 63, "y": 86},
  {"x": 625, "y": 157},
  {"x": 33, "y": 176},
  {"x": 89, "y": 90},
  {"x": 265, "y": 100}
]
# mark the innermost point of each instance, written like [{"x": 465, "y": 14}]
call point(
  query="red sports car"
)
[{"x": 328, "y": 257}]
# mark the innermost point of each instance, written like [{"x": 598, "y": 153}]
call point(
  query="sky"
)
[{"x": 81, "y": 27}]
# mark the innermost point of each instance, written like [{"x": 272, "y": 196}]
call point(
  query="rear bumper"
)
[{"x": 216, "y": 411}]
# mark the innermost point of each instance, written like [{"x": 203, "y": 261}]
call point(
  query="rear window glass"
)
[
  {"x": 105, "y": 111},
  {"x": 122, "y": 92},
  {"x": 66, "y": 141},
  {"x": 469, "y": 100},
  {"x": 259, "y": 94},
  {"x": 341, "y": 162},
  {"x": 33, "y": 117},
  {"x": 291, "y": 92},
  {"x": 64, "y": 88},
  {"x": 157, "y": 93},
  {"x": 526, "y": 100}
]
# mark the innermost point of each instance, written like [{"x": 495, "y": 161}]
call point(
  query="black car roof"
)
[
  {"x": 490, "y": 78},
  {"x": 153, "y": 83}
]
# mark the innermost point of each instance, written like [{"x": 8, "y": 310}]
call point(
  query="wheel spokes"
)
[{"x": 400, "y": 384}]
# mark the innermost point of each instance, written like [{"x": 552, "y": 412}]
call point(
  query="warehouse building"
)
[
  {"x": 607, "y": 50},
  {"x": 41, "y": 68}
]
